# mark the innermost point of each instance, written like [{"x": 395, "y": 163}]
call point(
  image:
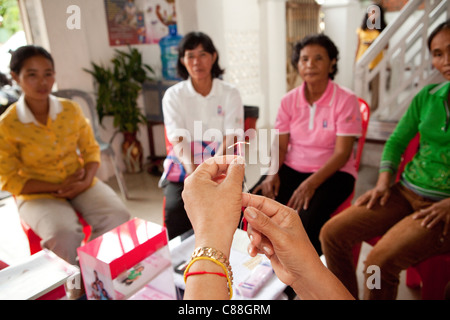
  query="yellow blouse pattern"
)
[
  {"x": 49, "y": 152},
  {"x": 366, "y": 38}
]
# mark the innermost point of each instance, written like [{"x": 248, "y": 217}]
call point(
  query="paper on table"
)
[{"x": 35, "y": 276}]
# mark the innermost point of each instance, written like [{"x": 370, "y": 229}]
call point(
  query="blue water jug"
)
[{"x": 169, "y": 53}]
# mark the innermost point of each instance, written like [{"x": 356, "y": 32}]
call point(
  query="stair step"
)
[{"x": 380, "y": 130}]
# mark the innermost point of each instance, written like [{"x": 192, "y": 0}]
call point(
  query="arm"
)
[
  {"x": 72, "y": 187},
  {"x": 435, "y": 214},
  {"x": 213, "y": 200},
  {"x": 271, "y": 184},
  {"x": 69, "y": 188},
  {"x": 277, "y": 231},
  {"x": 303, "y": 194},
  {"x": 395, "y": 146},
  {"x": 381, "y": 192},
  {"x": 176, "y": 131},
  {"x": 184, "y": 154}
]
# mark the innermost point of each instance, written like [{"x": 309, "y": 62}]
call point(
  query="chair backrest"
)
[
  {"x": 365, "y": 116},
  {"x": 87, "y": 101},
  {"x": 408, "y": 154},
  {"x": 3, "y": 265}
]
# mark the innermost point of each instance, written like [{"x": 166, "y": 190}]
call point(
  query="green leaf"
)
[{"x": 118, "y": 88}]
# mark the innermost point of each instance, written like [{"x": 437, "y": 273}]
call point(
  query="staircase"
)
[{"x": 406, "y": 67}]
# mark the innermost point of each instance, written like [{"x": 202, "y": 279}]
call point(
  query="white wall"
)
[
  {"x": 342, "y": 18},
  {"x": 273, "y": 57}
]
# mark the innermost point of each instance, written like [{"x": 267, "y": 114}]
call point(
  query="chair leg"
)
[{"x": 119, "y": 177}]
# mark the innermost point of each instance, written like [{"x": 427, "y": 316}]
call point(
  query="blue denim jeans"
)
[{"x": 404, "y": 241}]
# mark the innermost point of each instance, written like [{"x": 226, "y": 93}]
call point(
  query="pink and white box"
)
[{"x": 131, "y": 261}]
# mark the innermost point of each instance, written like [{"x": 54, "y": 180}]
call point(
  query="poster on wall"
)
[{"x": 138, "y": 21}]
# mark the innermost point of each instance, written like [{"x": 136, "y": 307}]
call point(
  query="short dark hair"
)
[
  {"x": 21, "y": 54},
  {"x": 191, "y": 41},
  {"x": 321, "y": 40},
  {"x": 439, "y": 28}
]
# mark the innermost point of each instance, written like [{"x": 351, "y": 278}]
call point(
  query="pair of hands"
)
[
  {"x": 435, "y": 214},
  {"x": 300, "y": 198},
  {"x": 73, "y": 185},
  {"x": 213, "y": 200}
]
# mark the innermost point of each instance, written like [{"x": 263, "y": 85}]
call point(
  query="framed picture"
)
[{"x": 138, "y": 21}]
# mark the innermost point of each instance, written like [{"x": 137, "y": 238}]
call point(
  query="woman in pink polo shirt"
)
[{"x": 318, "y": 123}]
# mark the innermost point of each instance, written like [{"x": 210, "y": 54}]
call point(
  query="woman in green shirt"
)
[{"x": 413, "y": 215}]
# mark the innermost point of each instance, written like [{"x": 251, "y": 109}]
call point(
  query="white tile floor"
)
[{"x": 146, "y": 203}]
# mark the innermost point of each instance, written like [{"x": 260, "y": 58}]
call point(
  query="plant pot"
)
[{"x": 132, "y": 152}]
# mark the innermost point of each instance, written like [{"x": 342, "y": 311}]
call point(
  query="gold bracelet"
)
[
  {"x": 229, "y": 280},
  {"x": 215, "y": 255}
]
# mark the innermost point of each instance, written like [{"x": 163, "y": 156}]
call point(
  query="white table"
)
[{"x": 182, "y": 247}]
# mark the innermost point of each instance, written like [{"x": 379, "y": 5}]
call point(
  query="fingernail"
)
[
  {"x": 238, "y": 160},
  {"x": 251, "y": 212},
  {"x": 267, "y": 251}
]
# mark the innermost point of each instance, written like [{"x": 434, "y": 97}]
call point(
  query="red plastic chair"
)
[
  {"x": 365, "y": 115},
  {"x": 3, "y": 265},
  {"x": 35, "y": 241}
]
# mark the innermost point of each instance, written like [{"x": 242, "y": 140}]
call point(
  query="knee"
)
[
  {"x": 67, "y": 237},
  {"x": 117, "y": 218},
  {"x": 330, "y": 232},
  {"x": 380, "y": 258},
  {"x": 64, "y": 243},
  {"x": 122, "y": 216}
]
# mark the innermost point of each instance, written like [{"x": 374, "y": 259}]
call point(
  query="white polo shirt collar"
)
[
  {"x": 26, "y": 116},
  {"x": 215, "y": 90}
]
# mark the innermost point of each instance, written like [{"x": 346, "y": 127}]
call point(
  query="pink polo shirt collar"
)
[{"x": 326, "y": 99}]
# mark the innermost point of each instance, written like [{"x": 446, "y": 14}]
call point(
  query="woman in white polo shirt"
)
[
  {"x": 318, "y": 123},
  {"x": 203, "y": 115}
]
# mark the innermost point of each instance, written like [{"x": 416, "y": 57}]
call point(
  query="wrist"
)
[
  {"x": 305, "y": 284},
  {"x": 384, "y": 179},
  {"x": 87, "y": 181},
  {"x": 207, "y": 262}
]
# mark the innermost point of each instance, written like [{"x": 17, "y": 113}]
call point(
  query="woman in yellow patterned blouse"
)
[
  {"x": 49, "y": 158},
  {"x": 372, "y": 25}
]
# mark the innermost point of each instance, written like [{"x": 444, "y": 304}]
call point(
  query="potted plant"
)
[{"x": 118, "y": 88}]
